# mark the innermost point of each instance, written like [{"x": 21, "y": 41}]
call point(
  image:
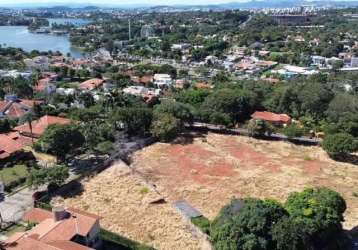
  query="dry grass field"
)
[
  {"x": 215, "y": 168},
  {"x": 207, "y": 172},
  {"x": 123, "y": 199}
]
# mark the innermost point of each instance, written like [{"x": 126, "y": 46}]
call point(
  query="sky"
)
[{"x": 113, "y": 2}]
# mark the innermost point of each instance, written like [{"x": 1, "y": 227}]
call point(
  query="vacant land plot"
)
[
  {"x": 211, "y": 170},
  {"x": 206, "y": 172},
  {"x": 124, "y": 199}
]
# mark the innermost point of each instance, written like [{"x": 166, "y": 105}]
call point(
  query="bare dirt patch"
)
[{"x": 210, "y": 171}]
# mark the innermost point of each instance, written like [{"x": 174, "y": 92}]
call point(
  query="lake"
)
[{"x": 20, "y": 37}]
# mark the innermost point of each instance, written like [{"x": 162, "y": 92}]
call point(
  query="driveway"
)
[{"x": 14, "y": 206}]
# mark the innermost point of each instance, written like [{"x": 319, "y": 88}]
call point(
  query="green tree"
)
[
  {"x": 135, "y": 120},
  {"x": 318, "y": 213},
  {"x": 289, "y": 235},
  {"x": 194, "y": 97},
  {"x": 5, "y": 125},
  {"x": 182, "y": 112},
  {"x": 235, "y": 103},
  {"x": 258, "y": 128},
  {"x": 86, "y": 99},
  {"x": 293, "y": 130},
  {"x": 55, "y": 175},
  {"x": 339, "y": 145},
  {"x": 246, "y": 224},
  {"x": 60, "y": 140},
  {"x": 165, "y": 127}
]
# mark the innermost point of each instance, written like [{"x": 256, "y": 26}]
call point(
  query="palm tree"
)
[{"x": 28, "y": 118}]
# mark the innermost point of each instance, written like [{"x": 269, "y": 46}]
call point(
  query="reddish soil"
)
[{"x": 208, "y": 173}]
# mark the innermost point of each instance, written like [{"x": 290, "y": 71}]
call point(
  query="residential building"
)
[
  {"x": 15, "y": 108},
  {"x": 163, "y": 80},
  {"x": 45, "y": 85},
  {"x": 37, "y": 63},
  {"x": 147, "y": 31},
  {"x": 9, "y": 147},
  {"x": 15, "y": 74},
  {"x": 91, "y": 84},
  {"x": 318, "y": 60},
  {"x": 180, "y": 46},
  {"x": 38, "y": 127},
  {"x": 277, "y": 119},
  {"x": 61, "y": 229},
  {"x": 354, "y": 62}
]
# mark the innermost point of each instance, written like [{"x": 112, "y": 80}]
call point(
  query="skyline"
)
[{"x": 113, "y": 2}]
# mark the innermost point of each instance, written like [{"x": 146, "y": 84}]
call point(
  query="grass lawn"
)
[
  {"x": 13, "y": 229},
  {"x": 13, "y": 174}
]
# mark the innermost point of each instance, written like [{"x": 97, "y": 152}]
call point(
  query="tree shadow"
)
[
  {"x": 81, "y": 166},
  {"x": 70, "y": 190},
  {"x": 188, "y": 137},
  {"x": 349, "y": 158}
]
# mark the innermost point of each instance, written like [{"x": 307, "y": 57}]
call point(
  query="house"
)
[
  {"x": 181, "y": 46},
  {"x": 141, "y": 91},
  {"x": 9, "y": 147},
  {"x": 162, "y": 80},
  {"x": 37, "y": 63},
  {"x": 318, "y": 60},
  {"x": 264, "y": 53},
  {"x": 91, "y": 84},
  {"x": 277, "y": 119},
  {"x": 354, "y": 62},
  {"x": 203, "y": 85},
  {"x": 15, "y": 74},
  {"x": 15, "y": 108},
  {"x": 44, "y": 85},
  {"x": 146, "y": 79},
  {"x": 61, "y": 229},
  {"x": 38, "y": 127}
]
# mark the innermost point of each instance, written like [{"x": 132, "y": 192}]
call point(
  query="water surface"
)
[{"x": 20, "y": 37}]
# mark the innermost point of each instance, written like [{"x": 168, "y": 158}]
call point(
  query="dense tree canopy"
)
[
  {"x": 60, "y": 140},
  {"x": 310, "y": 219}
]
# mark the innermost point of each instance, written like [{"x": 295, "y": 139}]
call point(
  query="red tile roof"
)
[
  {"x": 8, "y": 146},
  {"x": 91, "y": 84},
  {"x": 271, "y": 117},
  {"x": 37, "y": 215},
  {"x": 23, "y": 140},
  {"x": 18, "y": 108},
  {"x": 67, "y": 245},
  {"x": 40, "y": 126},
  {"x": 54, "y": 234},
  {"x": 42, "y": 84}
]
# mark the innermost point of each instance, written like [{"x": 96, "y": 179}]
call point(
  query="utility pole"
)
[{"x": 129, "y": 30}]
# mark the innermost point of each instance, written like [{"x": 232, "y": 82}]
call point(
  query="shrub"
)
[
  {"x": 166, "y": 127},
  {"x": 339, "y": 145},
  {"x": 203, "y": 223},
  {"x": 104, "y": 147},
  {"x": 259, "y": 128},
  {"x": 292, "y": 131}
]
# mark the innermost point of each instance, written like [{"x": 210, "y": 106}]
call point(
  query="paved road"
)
[{"x": 241, "y": 131}]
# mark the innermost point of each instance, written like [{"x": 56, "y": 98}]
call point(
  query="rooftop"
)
[
  {"x": 54, "y": 232},
  {"x": 40, "y": 126},
  {"x": 271, "y": 117}
]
